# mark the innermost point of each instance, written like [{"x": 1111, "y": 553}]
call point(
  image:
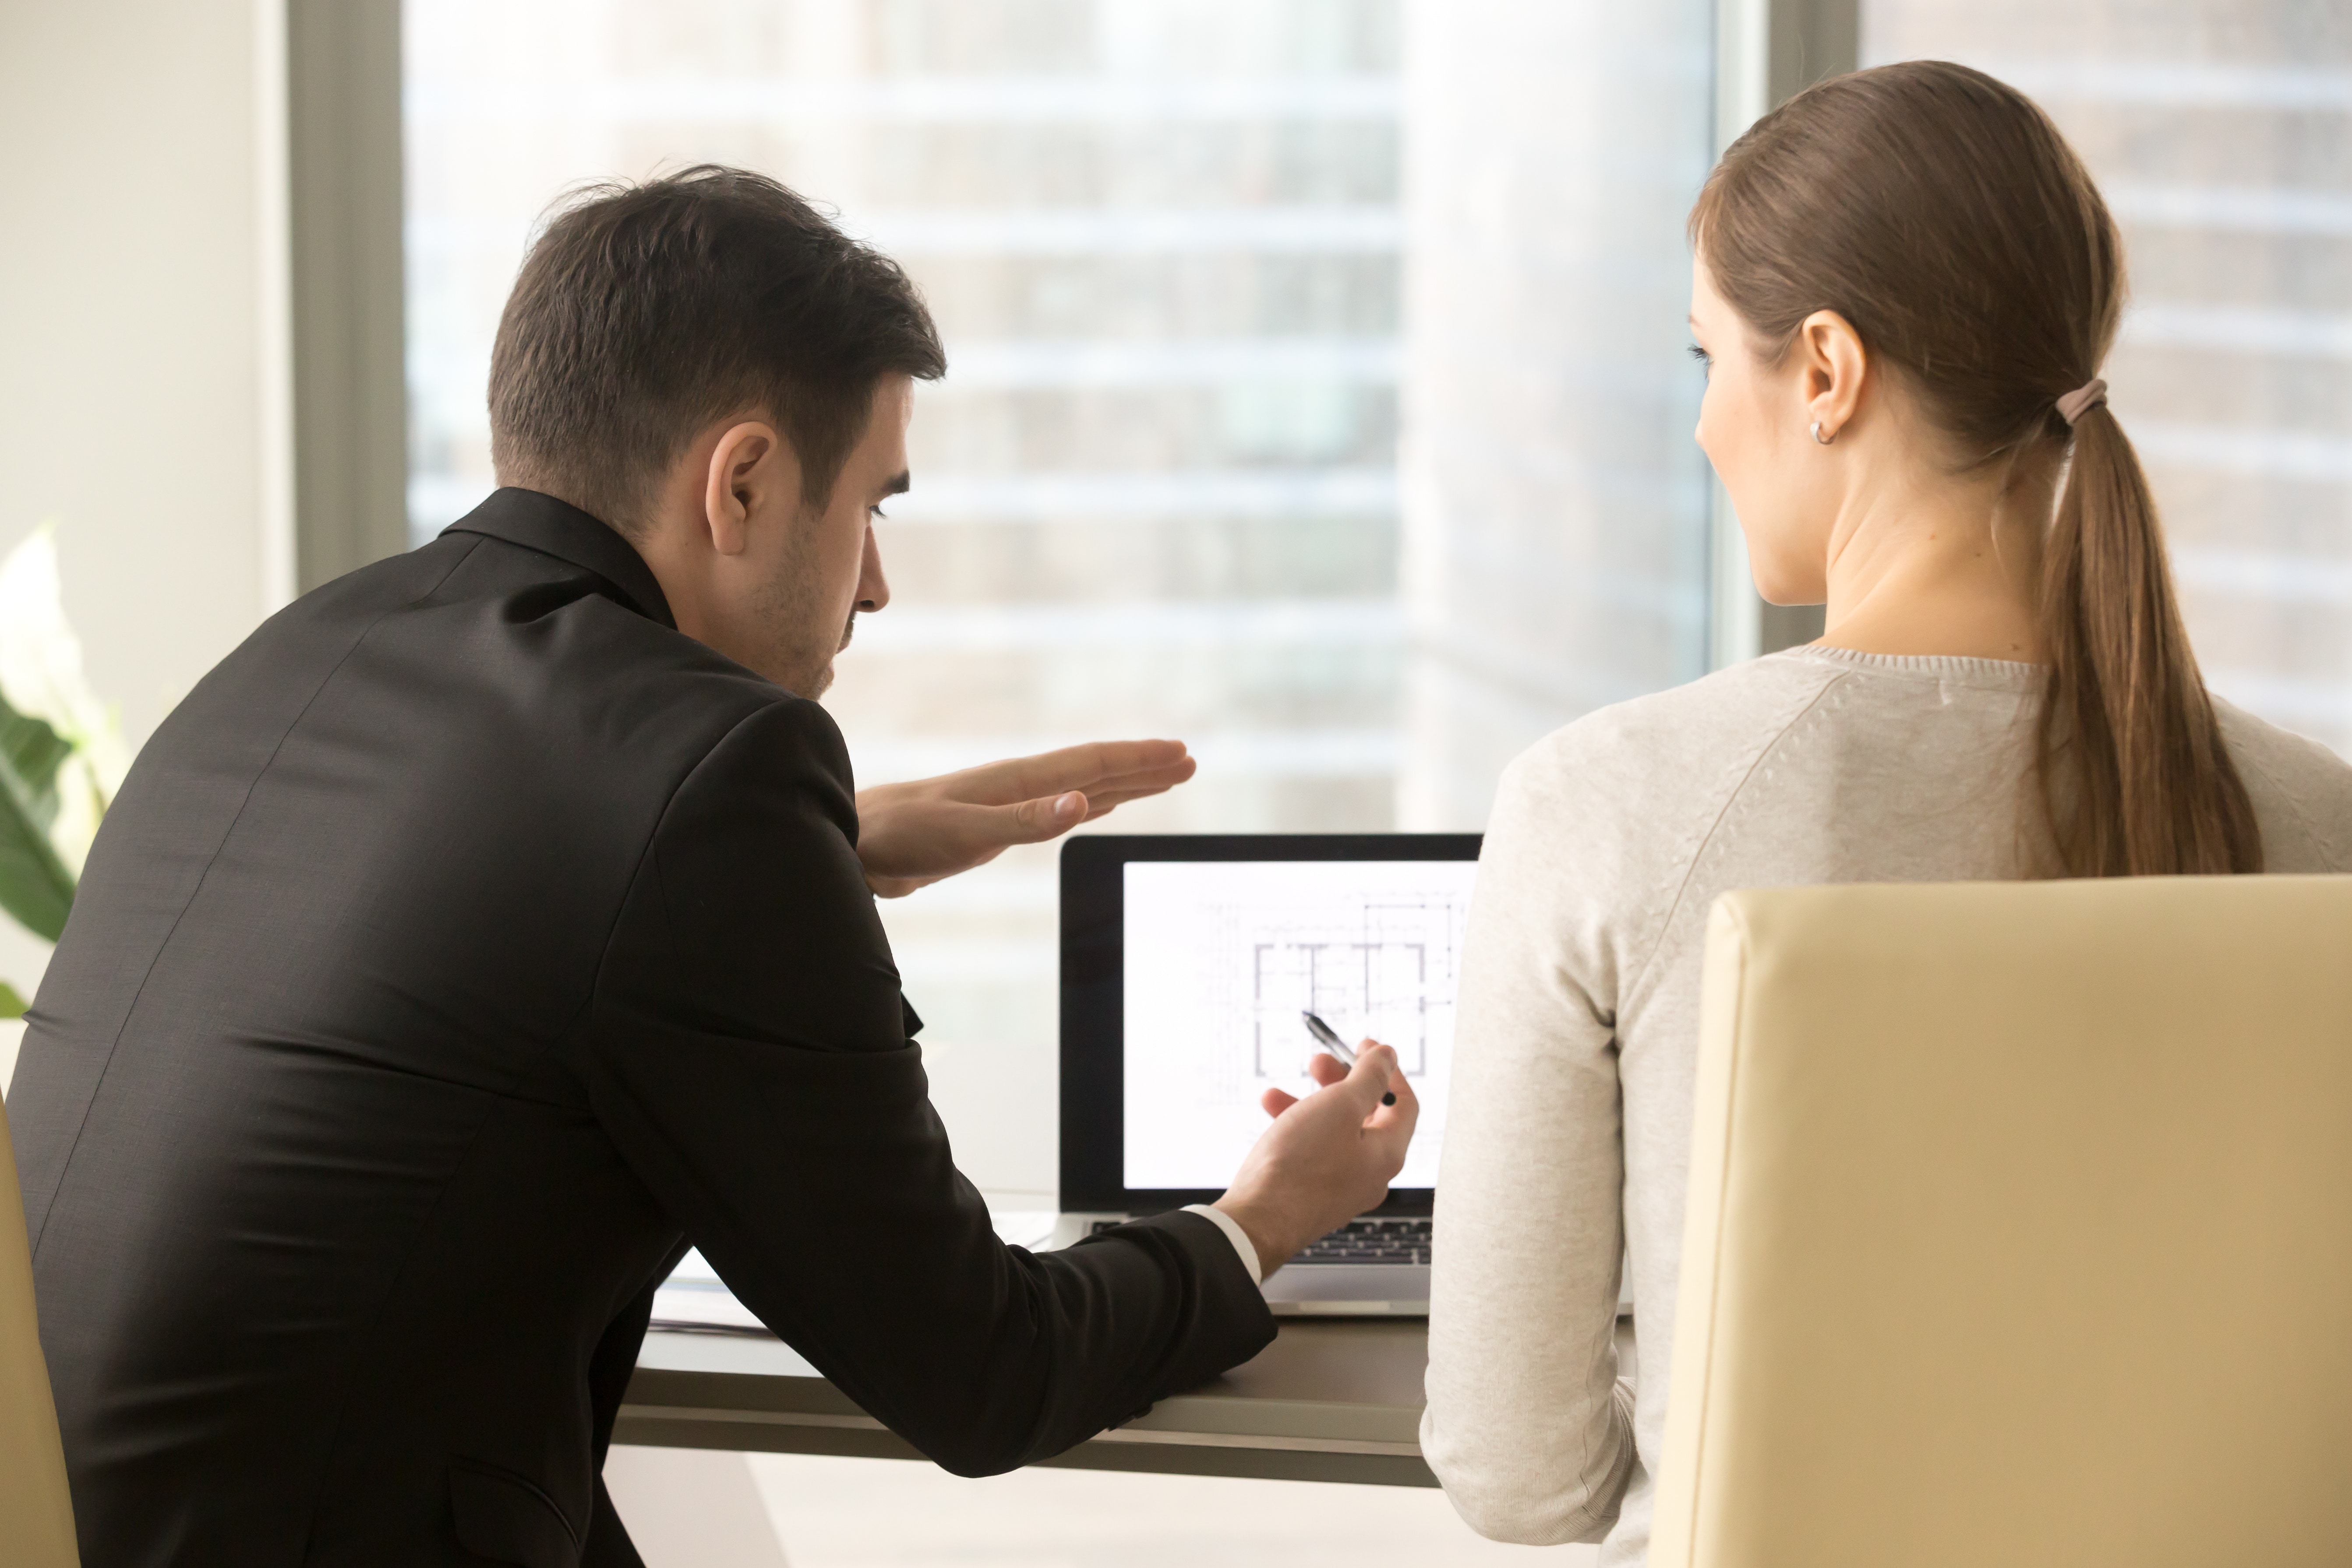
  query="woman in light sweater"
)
[{"x": 1904, "y": 286}]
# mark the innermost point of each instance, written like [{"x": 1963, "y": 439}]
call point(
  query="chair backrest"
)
[
  {"x": 36, "y": 1522},
  {"x": 2019, "y": 1230}
]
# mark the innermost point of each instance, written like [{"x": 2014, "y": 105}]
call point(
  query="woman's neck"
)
[{"x": 1950, "y": 567}]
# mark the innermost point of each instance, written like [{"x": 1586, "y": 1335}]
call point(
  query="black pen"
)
[{"x": 1328, "y": 1038}]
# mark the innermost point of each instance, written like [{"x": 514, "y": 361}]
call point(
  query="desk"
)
[{"x": 1326, "y": 1401}]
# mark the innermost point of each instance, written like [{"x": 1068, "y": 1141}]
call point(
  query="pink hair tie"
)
[{"x": 2082, "y": 400}]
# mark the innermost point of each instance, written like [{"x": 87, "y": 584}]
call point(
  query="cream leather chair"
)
[
  {"x": 2019, "y": 1230},
  {"x": 36, "y": 1523}
]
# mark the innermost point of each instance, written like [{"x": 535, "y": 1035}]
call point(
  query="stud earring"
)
[{"x": 1824, "y": 441}]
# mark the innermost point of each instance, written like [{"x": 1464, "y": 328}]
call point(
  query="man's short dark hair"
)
[{"x": 644, "y": 312}]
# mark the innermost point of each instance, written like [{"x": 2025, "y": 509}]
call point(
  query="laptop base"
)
[
  {"x": 1350, "y": 1291},
  {"x": 1307, "y": 1289}
]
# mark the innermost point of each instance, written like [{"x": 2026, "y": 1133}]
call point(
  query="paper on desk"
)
[{"x": 695, "y": 1298}]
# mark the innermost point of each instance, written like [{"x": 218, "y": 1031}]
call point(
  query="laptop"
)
[{"x": 1187, "y": 962}]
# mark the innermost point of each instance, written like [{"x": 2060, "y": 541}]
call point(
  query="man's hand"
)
[
  {"x": 1326, "y": 1158},
  {"x": 910, "y": 835}
]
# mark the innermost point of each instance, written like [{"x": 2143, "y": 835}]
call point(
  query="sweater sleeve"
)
[{"x": 1527, "y": 1425}]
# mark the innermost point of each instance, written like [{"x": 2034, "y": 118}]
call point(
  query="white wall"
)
[{"x": 134, "y": 364}]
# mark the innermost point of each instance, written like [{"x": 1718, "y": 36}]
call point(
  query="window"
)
[
  {"x": 1555, "y": 505},
  {"x": 2221, "y": 135},
  {"x": 1191, "y": 259}
]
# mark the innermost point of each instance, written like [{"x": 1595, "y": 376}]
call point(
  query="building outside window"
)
[{"x": 1171, "y": 245}]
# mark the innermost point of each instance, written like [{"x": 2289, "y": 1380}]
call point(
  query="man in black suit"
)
[{"x": 499, "y": 920}]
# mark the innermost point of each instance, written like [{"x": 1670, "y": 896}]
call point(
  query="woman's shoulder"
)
[
  {"x": 1687, "y": 735},
  {"x": 2302, "y": 792},
  {"x": 1627, "y": 792},
  {"x": 1596, "y": 826}
]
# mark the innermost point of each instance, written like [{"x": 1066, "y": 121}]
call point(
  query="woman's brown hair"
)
[{"x": 1942, "y": 214}]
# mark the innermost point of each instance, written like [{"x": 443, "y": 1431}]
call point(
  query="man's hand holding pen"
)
[{"x": 1328, "y": 1158}]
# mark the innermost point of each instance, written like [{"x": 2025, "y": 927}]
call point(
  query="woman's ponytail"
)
[
  {"x": 2135, "y": 773},
  {"x": 1942, "y": 214}
]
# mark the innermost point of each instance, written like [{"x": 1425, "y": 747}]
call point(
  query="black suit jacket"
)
[{"x": 465, "y": 945}]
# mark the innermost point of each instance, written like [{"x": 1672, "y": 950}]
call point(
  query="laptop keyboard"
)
[
  {"x": 1372, "y": 1241},
  {"x": 1359, "y": 1241}
]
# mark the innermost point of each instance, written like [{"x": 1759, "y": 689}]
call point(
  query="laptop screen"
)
[{"x": 1222, "y": 957}]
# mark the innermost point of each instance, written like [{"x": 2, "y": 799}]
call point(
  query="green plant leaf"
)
[
  {"x": 34, "y": 886},
  {"x": 12, "y": 1005},
  {"x": 33, "y": 751}
]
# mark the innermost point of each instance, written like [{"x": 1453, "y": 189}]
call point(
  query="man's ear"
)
[{"x": 752, "y": 473}]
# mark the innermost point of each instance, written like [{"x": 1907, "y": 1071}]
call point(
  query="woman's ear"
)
[
  {"x": 1834, "y": 366},
  {"x": 751, "y": 470}
]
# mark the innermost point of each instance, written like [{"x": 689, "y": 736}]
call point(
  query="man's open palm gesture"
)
[{"x": 910, "y": 835}]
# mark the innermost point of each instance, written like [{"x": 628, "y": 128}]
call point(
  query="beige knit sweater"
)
[{"x": 1568, "y": 1132}]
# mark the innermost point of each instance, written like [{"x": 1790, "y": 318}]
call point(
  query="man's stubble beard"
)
[
  {"x": 788, "y": 613},
  {"x": 822, "y": 682}
]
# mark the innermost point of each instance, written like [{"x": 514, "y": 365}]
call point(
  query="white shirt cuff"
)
[{"x": 1234, "y": 1233}]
